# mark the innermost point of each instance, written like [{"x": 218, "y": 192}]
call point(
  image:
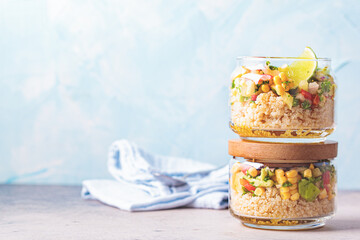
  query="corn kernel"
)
[
  {"x": 279, "y": 90},
  {"x": 284, "y": 189},
  {"x": 311, "y": 166},
  {"x": 293, "y": 186},
  {"x": 259, "y": 191},
  {"x": 283, "y": 77},
  {"x": 291, "y": 173},
  {"x": 281, "y": 180},
  {"x": 307, "y": 173},
  {"x": 293, "y": 191},
  {"x": 317, "y": 172},
  {"x": 283, "y": 68},
  {"x": 330, "y": 195},
  {"x": 295, "y": 196},
  {"x": 253, "y": 172},
  {"x": 265, "y": 88},
  {"x": 323, "y": 194},
  {"x": 277, "y": 80},
  {"x": 285, "y": 195},
  {"x": 293, "y": 180},
  {"x": 279, "y": 172},
  {"x": 252, "y": 105}
]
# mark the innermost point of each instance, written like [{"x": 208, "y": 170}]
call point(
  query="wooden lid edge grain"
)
[{"x": 283, "y": 151}]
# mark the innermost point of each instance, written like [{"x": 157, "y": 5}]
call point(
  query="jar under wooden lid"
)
[{"x": 305, "y": 152}]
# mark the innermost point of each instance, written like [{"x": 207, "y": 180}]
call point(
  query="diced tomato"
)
[
  {"x": 316, "y": 100},
  {"x": 266, "y": 77},
  {"x": 247, "y": 185},
  {"x": 244, "y": 168},
  {"x": 253, "y": 97},
  {"x": 306, "y": 94},
  {"x": 326, "y": 178}
]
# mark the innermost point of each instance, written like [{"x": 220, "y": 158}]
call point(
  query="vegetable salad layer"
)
[
  {"x": 315, "y": 181},
  {"x": 307, "y": 94},
  {"x": 301, "y": 83}
]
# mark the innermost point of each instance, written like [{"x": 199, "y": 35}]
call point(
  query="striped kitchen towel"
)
[{"x": 144, "y": 182}]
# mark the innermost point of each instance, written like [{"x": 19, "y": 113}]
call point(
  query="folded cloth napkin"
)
[{"x": 145, "y": 182}]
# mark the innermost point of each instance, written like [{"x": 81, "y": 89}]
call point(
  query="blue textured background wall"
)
[{"x": 77, "y": 75}]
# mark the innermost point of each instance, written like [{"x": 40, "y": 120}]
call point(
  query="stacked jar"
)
[{"x": 282, "y": 174}]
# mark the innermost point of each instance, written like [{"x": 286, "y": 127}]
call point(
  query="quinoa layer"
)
[
  {"x": 271, "y": 205},
  {"x": 270, "y": 112}
]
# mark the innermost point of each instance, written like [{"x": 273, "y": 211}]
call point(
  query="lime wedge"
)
[{"x": 302, "y": 70}]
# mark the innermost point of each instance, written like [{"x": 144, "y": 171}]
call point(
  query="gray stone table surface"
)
[{"x": 57, "y": 212}]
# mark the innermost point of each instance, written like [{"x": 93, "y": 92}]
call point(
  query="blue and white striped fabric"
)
[{"x": 135, "y": 187}]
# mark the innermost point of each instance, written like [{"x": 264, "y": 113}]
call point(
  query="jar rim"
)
[
  {"x": 274, "y": 161},
  {"x": 282, "y": 58}
]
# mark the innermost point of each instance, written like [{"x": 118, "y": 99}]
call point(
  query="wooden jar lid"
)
[{"x": 283, "y": 151}]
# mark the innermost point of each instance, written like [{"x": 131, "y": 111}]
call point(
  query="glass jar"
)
[
  {"x": 282, "y": 186},
  {"x": 282, "y": 99}
]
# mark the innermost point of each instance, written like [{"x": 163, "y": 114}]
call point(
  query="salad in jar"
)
[
  {"x": 283, "y": 97},
  {"x": 282, "y": 194}
]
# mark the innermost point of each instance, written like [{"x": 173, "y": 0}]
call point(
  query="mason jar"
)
[
  {"x": 282, "y": 186},
  {"x": 282, "y": 99}
]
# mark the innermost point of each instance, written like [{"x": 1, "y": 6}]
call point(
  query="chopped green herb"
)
[
  {"x": 267, "y": 178},
  {"x": 296, "y": 102},
  {"x": 245, "y": 191},
  {"x": 325, "y": 87},
  {"x": 314, "y": 180},
  {"x": 317, "y": 179},
  {"x": 306, "y": 105},
  {"x": 233, "y": 84},
  {"x": 244, "y": 99},
  {"x": 287, "y": 184},
  {"x": 273, "y": 67},
  {"x": 332, "y": 169},
  {"x": 267, "y": 63}
]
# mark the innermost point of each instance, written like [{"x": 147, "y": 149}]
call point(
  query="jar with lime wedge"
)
[{"x": 283, "y": 99}]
